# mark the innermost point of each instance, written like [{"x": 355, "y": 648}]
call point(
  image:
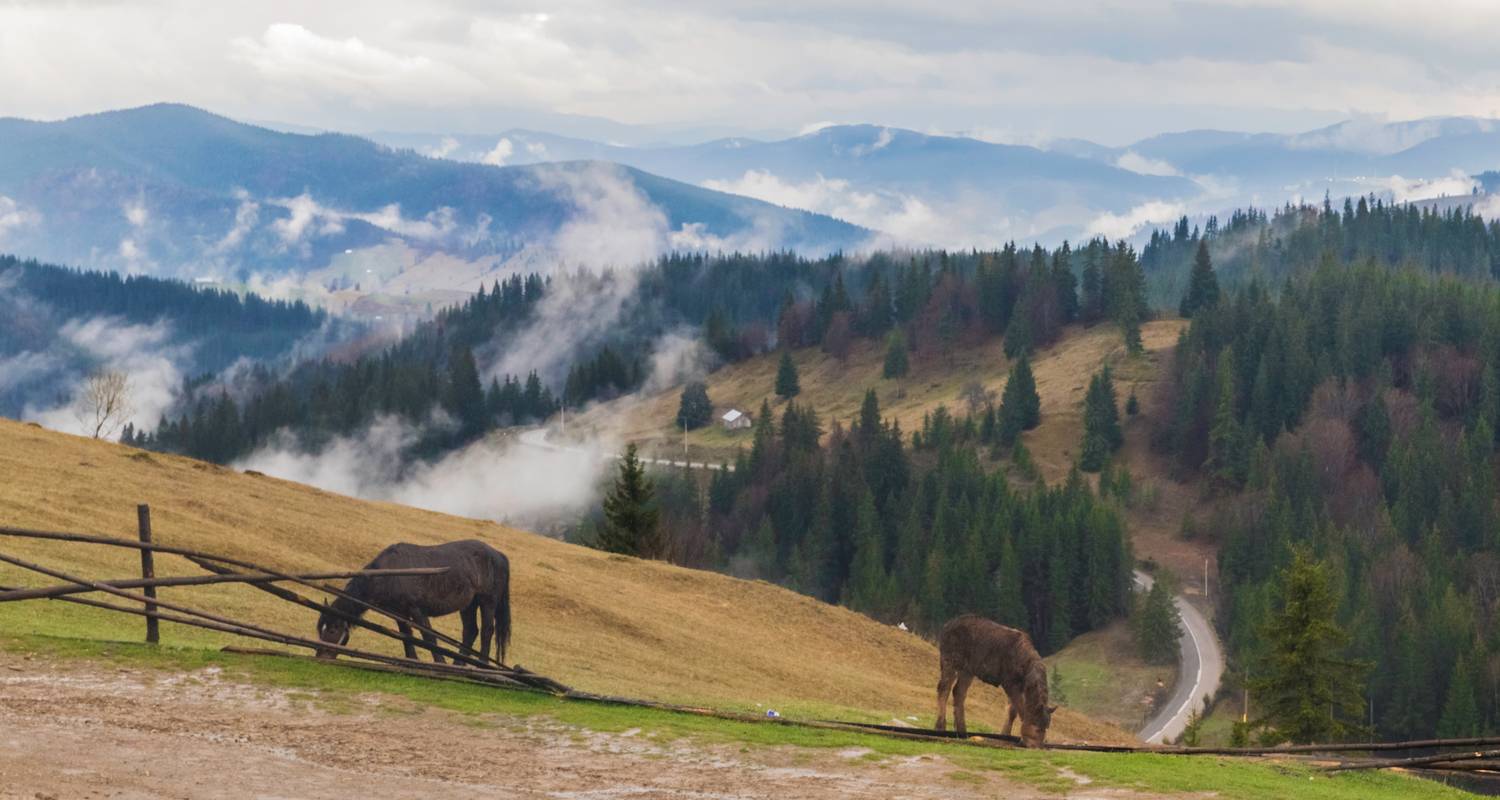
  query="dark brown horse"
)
[
  {"x": 972, "y": 647},
  {"x": 477, "y": 584}
]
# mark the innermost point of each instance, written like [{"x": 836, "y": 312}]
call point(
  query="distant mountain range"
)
[
  {"x": 962, "y": 191},
  {"x": 918, "y": 188},
  {"x": 174, "y": 190}
]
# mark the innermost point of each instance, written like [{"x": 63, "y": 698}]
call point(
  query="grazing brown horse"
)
[
  {"x": 972, "y": 647},
  {"x": 477, "y": 583}
]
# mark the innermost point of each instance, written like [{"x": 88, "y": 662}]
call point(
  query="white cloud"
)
[
  {"x": 490, "y": 479},
  {"x": 907, "y": 219},
  {"x": 1121, "y": 226},
  {"x": 246, "y": 215},
  {"x": 136, "y": 213},
  {"x": 882, "y": 139},
  {"x": 310, "y": 218},
  {"x": 1135, "y": 162},
  {"x": 1159, "y": 64},
  {"x": 292, "y": 52},
  {"x": 1401, "y": 189},
  {"x": 13, "y": 216},
  {"x": 498, "y": 155},
  {"x": 144, "y": 353},
  {"x": 442, "y": 149}
]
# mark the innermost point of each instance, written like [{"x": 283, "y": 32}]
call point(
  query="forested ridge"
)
[
  {"x": 1353, "y": 413},
  {"x": 213, "y": 328},
  {"x": 738, "y": 305},
  {"x": 1270, "y": 246}
]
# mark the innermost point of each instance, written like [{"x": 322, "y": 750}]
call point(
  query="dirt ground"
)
[{"x": 97, "y": 731}]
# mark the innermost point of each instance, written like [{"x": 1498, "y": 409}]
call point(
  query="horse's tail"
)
[{"x": 502, "y": 609}]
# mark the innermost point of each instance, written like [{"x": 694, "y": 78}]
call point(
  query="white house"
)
[{"x": 734, "y": 419}]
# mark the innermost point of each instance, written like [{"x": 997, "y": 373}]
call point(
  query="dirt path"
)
[{"x": 95, "y": 731}]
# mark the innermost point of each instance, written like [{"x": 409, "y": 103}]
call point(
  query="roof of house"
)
[{"x": 731, "y": 415}]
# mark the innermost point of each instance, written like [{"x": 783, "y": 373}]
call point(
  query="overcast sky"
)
[{"x": 1108, "y": 70}]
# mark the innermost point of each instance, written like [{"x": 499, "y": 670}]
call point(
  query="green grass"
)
[{"x": 333, "y": 687}]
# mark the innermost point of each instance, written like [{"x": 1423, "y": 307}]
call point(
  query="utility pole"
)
[{"x": 1205, "y": 577}]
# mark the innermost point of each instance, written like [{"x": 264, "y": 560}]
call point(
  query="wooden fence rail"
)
[
  {"x": 49, "y": 592},
  {"x": 200, "y": 557}
]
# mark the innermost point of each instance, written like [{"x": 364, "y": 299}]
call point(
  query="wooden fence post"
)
[{"x": 148, "y": 571}]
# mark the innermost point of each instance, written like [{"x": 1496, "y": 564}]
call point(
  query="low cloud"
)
[
  {"x": 960, "y": 221},
  {"x": 495, "y": 478},
  {"x": 442, "y": 149},
  {"x": 1122, "y": 226},
  {"x": 1135, "y": 162},
  {"x": 13, "y": 216},
  {"x": 1402, "y": 190},
  {"x": 144, "y": 353},
  {"x": 499, "y": 154},
  {"x": 308, "y": 218}
]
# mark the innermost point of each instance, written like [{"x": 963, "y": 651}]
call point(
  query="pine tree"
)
[
  {"x": 1011, "y": 606},
  {"x": 1020, "y": 405},
  {"x": 694, "y": 410},
  {"x": 1101, "y": 423},
  {"x": 465, "y": 395},
  {"x": 1203, "y": 285},
  {"x": 1065, "y": 283},
  {"x": 786, "y": 377},
  {"x": 1228, "y": 457},
  {"x": 1304, "y": 681},
  {"x": 631, "y": 518},
  {"x": 895, "y": 355},
  {"x": 1158, "y": 627},
  {"x": 1461, "y": 710}
]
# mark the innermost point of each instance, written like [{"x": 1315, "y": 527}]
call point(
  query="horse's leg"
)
[
  {"x": 432, "y": 642},
  {"x": 471, "y": 625},
  {"x": 1010, "y": 715},
  {"x": 945, "y": 685},
  {"x": 411, "y": 650},
  {"x": 961, "y": 693},
  {"x": 486, "y": 628}
]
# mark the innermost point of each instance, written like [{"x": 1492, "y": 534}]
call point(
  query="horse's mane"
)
[{"x": 1034, "y": 692}]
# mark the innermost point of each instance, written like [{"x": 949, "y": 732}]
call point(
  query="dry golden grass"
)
[
  {"x": 600, "y": 622},
  {"x": 836, "y": 391}
]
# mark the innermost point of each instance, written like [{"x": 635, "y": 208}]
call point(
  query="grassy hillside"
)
[
  {"x": 600, "y": 622},
  {"x": 836, "y": 390}
]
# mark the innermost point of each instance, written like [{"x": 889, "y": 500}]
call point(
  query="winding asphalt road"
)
[
  {"x": 1200, "y": 660},
  {"x": 1200, "y": 669}
]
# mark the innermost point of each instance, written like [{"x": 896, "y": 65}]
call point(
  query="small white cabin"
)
[{"x": 735, "y": 419}]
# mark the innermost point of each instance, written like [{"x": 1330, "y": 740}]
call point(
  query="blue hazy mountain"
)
[
  {"x": 976, "y": 192},
  {"x": 176, "y": 190},
  {"x": 1351, "y": 157},
  {"x": 961, "y": 191}
]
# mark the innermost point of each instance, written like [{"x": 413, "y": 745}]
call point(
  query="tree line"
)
[
  {"x": 1347, "y": 423},
  {"x": 902, "y": 533}
]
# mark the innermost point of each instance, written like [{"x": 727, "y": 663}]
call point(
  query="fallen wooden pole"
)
[
  {"x": 242, "y": 628},
  {"x": 467, "y": 656},
  {"x": 49, "y": 592},
  {"x": 197, "y": 556},
  {"x": 1418, "y": 761}
]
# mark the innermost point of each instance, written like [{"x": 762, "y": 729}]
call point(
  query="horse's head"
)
[
  {"x": 1034, "y": 731},
  {"x": 1036, "y": 714},
  {"x": 333, "y": 628}
]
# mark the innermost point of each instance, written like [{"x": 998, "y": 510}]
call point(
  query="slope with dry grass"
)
[
  {"x": 603, "y": 623},
  {"x": 835, "y": 390}
]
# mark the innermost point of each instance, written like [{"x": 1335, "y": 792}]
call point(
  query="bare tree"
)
[
  {"x": 103, "y": 402},
  {"x": 976, "y": 396}
]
